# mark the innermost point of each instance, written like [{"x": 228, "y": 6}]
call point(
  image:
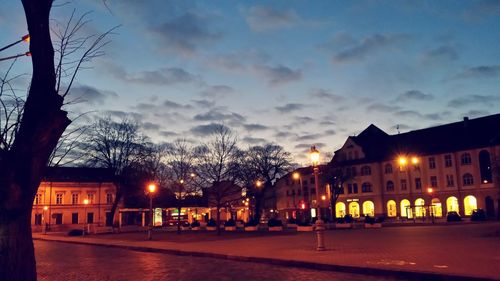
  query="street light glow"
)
[
  {"x": 26, "y": 38},
  {"x": 258, "y": 183},
  {"x": 314, "y": 154},
  {"x": 430, "y": 190},
  {"x": 45, "y": 208},
  {"x": 323, "y": 197},
  {"x": 152, "y": 187},
  {"x": 402, "y": 160},
  {"x": 414, "y": 160},
  {"x": 296, "y": 175},
  {"x": 85, "y": 201}
]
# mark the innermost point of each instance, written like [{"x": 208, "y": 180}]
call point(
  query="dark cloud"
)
[
  {"x": 168, "y": 134},
  {"x": 401, "y": 127},
  {"x": 255, "y": 127},
  {"x": 164, "y": 76},
  {"x": 339, "y": 41},
  {"x": 204, "y": 130},
  {"x": 443, "y": 53},
  {"x": 303, "y": 119},
  {"x": 279, "y": 75},
  {"x": 414, "y": 95},
  {"x": 89, "y": 95},
  {"x": 204, "y": 103},
  {"x": 185, "y": 33},
  {"x": 122, "y": 114},
  {"x": 307, "y": 146},
  {"x": 150, "y": 126},
  {"x": 263, "y": 18},
  {"x": 408, "y": 114},
  {"x": 330, "y": 132},
  {"x": 283, "y": 134},
  {"x": 217, "y": 91},
  {"x": 476, "y": 113},
  {"x": 148, "y": 107},
  {"x": 327, "y": 123},
  {"x": 486, "y": 100},
  {"x": 217, "y": 115},
  {"x": 484, "y": 71},
  {"x": 289, "y": 107},
  {"x": 378, "y": 107},
  {"x": 482, "y": 9},
  {"x": 369, "y": 45},
  {"x": 325, "y": 95},
  {"x": 252, "y": 140},
  {"x": 175, "y": 105},
  {"x": 308, "y": 137}
]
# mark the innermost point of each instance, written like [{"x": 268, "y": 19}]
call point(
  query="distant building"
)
[
  {"x": 452, "y": 167},
  {"x": 59, "y": 202}
]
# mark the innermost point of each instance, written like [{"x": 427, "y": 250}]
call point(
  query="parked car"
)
[
  {"x": 453, "y": 216},
  {"x": 478, "y": 215}
]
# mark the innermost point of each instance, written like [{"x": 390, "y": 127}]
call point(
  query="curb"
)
[{"x": 400, "y": 274}]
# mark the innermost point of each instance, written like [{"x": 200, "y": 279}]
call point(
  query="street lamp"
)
[
  {"x": 85, "y": 203},
  {"x": 430, "y": 191},
  {"x": 45, "y": 208},
  {"x": 151, "y": 190},
  {"x": 320, "y": 227}
]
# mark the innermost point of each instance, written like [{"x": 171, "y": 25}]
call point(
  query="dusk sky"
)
[{"x": 295, "y": 73}]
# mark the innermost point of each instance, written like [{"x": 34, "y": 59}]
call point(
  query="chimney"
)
[{"x": 466, "y": 121}]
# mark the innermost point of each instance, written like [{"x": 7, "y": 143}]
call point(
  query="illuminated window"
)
[
  {"x": 465, "y": 159},
  {"x": 470, "y": 203},
  {"x": 59, "y": 198},
  {"x": 366, "y": 171},
  {"x": 432, "y": 163},
  {"x": 366, "y": 187},
  {"x": 74, "y": 198},
  {"x": 452, "y": 204},
  {"x": 90, "y": 196},
  {"x": 354, "y": 209},
  {"x": 437, "y": 209},
  {"x": 339, "y": 210},
  {"x": 485, "y": 166},
  {"x": 368, "y": 208},
  {"x": 447, "y": 160},
  {"x": 468, "y": 179},
  {"x": 391, "y": 208},
  {"x": 38, "y": 199},
  {"x": 419, "y": 208},
  {"x": 406, "y": 209},
  {"x": 109, "y": 198},
  {"x": 388, "y": 168},
  {"x": 389, "y": 186}
]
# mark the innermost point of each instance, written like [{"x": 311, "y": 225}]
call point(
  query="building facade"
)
[
  {"x": 422, "y": 173},
  {"x": 60, "y": 201}
]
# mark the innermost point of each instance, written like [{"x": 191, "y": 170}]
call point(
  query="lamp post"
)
[
  {"x": 320, "y": 226},
  {"x": 404, "y": 167},
  {"x": 151, "y": 190},
  {"x": 85, "y": 203},
  {"x": 430, "y": 191},
  {"x": 44, "y": 226}
]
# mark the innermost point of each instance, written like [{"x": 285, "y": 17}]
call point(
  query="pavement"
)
[{"x": 433, "y": 252}]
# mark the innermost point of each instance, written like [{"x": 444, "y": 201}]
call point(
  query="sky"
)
[{"x": 294, "y": 73}]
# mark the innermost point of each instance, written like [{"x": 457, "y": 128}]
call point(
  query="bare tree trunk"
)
[
  {"x": 218, "y": 218},
  {"x": 114, "y": 207},
  {"x": 258, "y": 206},
  {"x": 178, "y": 216}
]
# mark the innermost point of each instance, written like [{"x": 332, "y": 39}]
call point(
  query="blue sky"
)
[{"x": 295, "y": 73}]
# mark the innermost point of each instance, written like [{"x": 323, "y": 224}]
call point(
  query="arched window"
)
[
  {"x": 389, "y": 186},
  {"x": 391, "y": 208},
  {"x": 485, "y": 166},
  {"x": 470, "y": 203},
  {"x": 388, "y": 169},
  {"x": 339, "y": 210},
  {"x": 437, "y": 209},
  {"x": 465, "y": 159},
  {"x": 354, "y": 209},
  {"x": 420, "y": 207},
  {"x": 468, "y": 179},
  {"x": 366, "y": 187},
  {"x": 452, "y": 204},
  {"x": 406, "y": 208},
  {"x": 368, "y": 209},
  {"x": 366, "y": 171}
]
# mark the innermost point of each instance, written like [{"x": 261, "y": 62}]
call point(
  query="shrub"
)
[
  {"x": 211, "y": 222},
  {"x": 274, "y": 222},
  {"x": 195, "y": 223},
  {"x": 75, "y": 232},
  {"x": 341, "y": 220},
  {"x": 252, "y": 222},
  {"x": 478, "y": 215},
  {"x": 292, "y": 221},
  {"x": 230, "y": 222},
  {"x": 348, "y": 218}
]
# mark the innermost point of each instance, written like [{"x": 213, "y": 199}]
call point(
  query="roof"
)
[
  {"x": 78, "y": 174},
  {"x": 467, "y": 134}
]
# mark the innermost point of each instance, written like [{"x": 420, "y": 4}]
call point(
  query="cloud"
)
[
  {"x": 303, "y": 119},
  {"x": 122, "y": 114},
  {"x": 378, "y": 107},
  {"x": 308, "y": 137},
  {"x": 307, "y": 146},
  {"x": 443, "y": 53},
  {"x": 330, "y": 132},
  {"x": 204, "y": 103},
  {"x": 414, "y": 95},
  {"x": 368, "y": 46},
  {"x": 89, "y": 95},
  {"x": 204, "y": 130},
  {"x": 483, "y": 71},
  {"x": 283, "y": 134},
  {"x": 252, "y": 140},
  {"x": 408, "y": 113},
  {"x": 168, "y": 134},
  {"x": 401, "y": 127},
  {"x": 164, "y": 76},
  {"x": 217, "y": 115},
  {"x": 255, "y": 127},
  {"x": 217, "y": 91},
  {"x": 289, "y": 107},
  {"x": 174, "y": 105},
  {"x": 486, "y": 100},
  {"x": 476, "y": 113},
  {"x": 278, "y": 75},
  {"x": 150, "y": 126},
  {"x": 265, "y": 18},
  {"x": 325, "y": 95},
  {"x": 482, "y": 9},
  {"x": 185, "y": 33}
]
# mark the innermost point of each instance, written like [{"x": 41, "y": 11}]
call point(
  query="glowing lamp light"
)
[
  {"x": 323, "y": 197},
  {"x": 485, "y": 181},
  {"x": 85, "y": 201},
  {"x": 303, "y": 206},
  {"x": 402, "y": 160},
  {"x": 26, "y": 38},
  {"x": 181, "y": 181},
  {"x": 258, "y": 183},
  {"x": 430, "y": 190},
  {"x": 193, "y": 175},
  {"x": 45, "y": 208},
  {"x": 414, "y": 160},
  {"x": 314, "y": 154},
  {"x": 296, "y": 176},
  {"x": 152, "y": 187}
]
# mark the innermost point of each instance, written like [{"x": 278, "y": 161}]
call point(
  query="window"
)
[
  {"x": 366, "y": 171},
  {"x": 418, "y": 183},
  {"x": 90, "y": 196},
  {"x": 388, "y": 169},
  {"x": 74, "y": 218},
  {"x": 434, "y": 181},
  {"x": 366, "y": 187},
  {"x": 38, "y": 199},
  {"x": 465, "y": 159},
  {"x": 351, "y": 171},
  {"x": 109, "y": 198},
  {"x": 38, "y": 219},
  {"x": 468, "y": 179},
  {"x": 447, "y": 160},
  {"x": 432, "y": 163},
  {"x": 485, "y": 166},
  {"x": 389, "y": 186},
  {"x": 403, "y": 185},
  {"x": 449, "y": 181},
  {"x": 59, "y": 198},
  {"x": 313, "y": 191},
  {"x": 90, "y": 217},
  {"x": 352, "y": 188},
  {"x": 74, "y": 198}
]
